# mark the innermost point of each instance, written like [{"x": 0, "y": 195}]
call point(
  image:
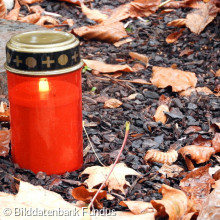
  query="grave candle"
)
[{"x": 44, "y": 84}]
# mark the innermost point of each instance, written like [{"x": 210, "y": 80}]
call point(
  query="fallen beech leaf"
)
[
  {"x": 106, "y": 68},
  {"x": 170, "y": 171},
  {"x": 3, "y": 9},
  {"x": 85, "y": 195},
  {"x": 217, "y": 73},
  {"x": 137, "y": 67},
  {"x": 159, "y": 114},
  {"x": 4, "y": 142},
  {"x": 70, "y": 22},
  {"x": 200, "y": 90},
  {"x": 119, "y": 43},
  {"x": 200, "y": 18},
  {"x": 77, "y": 2},
  {"x": 173, "y": 37},
  {"x": 179, "y": 80},
  {"x": 216, "y": 143},
  {"x": 183, "y": 4},
  {"x": 186, "y": 51},
  {"x": 210, "y": 208},
  {"x": 36, "y": 9},
  {"x": 140, "y": 57},
  {"x": 199, "y": 154},
  {"x": 4, "y": 112},
  {"x": 94, "y": 15},
  {"x": 138, "y": 207},
  {"x": 197, "y": 185},
  {"x": 192, "y": 129},
  {"x": 33, "y": 18},
  {"x": 111, "y": 33},
  {"x": 14, "y": 13},
  {"x": 177, "y": 23},
  {"x": 116, "y": 180},
  {"x": 36, "y": 198},
  {"x": 168, "y": 157},
  {"x": 46, "y": 19},
  {"x": 173, "y": 204},
  {"x": 112, "y": 103},
  {"x": 23, "y": 2},
  {"x": 202, "y": 141}
]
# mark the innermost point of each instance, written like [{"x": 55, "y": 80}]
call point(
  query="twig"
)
[
  {"x": 92, "y": 145},
  {"x": 119, "y": 154},
  {"x": 164, "y": 3}
]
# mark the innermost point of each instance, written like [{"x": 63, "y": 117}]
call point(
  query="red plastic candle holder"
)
[{"x": 44, "y": 85}]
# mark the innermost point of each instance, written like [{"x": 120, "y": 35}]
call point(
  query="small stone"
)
[{"x": 150, "y": 94}]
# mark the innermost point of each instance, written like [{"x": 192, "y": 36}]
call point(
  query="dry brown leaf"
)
[
  {"x": 140, "y": 57},
  {"x": 138, "y": 207},
  {"x": 119, "y": 43},
  {"x": 192, "y": 129},
  {"x": 170, "y": 171},
  {"x": 14, "y": 13},
  {"x": 179, "y": 80},
  {"x": 177, "y": 22},
  {"x": 168, "y": 157},
  {"x": 173, "y": 204},
  {"x": 138, "y": 81},
  {"x": 94, "y": 15},
  {"x": 159, "y": 114},
  {"x": 112, "y": 103},
  {"x": 106, "y": 68},
  {"x": 85, "y": 195},
  {"x": 200, "y": 90},
  {"x": 197, "y": 186},
  {"x": 187, "y": 51},
  {"x": 70, "y": 22},
  {"x": 5, "y": 138},
  {"x": 137, "y": 67},
  {"x": 216, "y": 143},
  {"x": 189, "y": 216},
  {"x": 116, "y": 181},
  {"x": 36, "y": 9},
  {"x": 199, "y": 154},
  {"x": 36, "y": 198},
  {"x": 23, "y": 2},
  {"x": 200, "y": 18},
  {"x": 46, "y": 19},
  {"x": 3, "y": 9},
  {"x": 33, "y": 18},
  {"x": 77, "y": 2},
  {"x": 184, "y": 4},
  {"x": 202, "y": 141},
  {"x": 4, "y": 112},
  {"x": 173, "y": 37},
  {"x": 217, "y": 73},
  {"x": 111, "y": 33}
]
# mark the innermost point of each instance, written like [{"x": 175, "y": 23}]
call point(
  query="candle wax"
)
[{"x": 46, "y": 124}]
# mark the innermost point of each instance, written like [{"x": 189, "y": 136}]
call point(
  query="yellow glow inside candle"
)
[{"x": 43, "y": 88}]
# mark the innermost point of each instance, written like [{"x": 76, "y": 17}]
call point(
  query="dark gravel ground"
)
[{"x": 108, "y": 133}]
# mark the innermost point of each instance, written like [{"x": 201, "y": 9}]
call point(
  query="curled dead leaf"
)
[
  {"x": 140, "y": 57},
  {"x": 85, "y": 195},
  {"x": 106, "y": 68},
  {"x": 3, "y": 9},
  {"x": 177, "y": 23},
  {"x": 137, "y": 67},
  {"x": 121, "y": 42},
  {"x": 116, "y": 181},
  {"x": 216, "y": 143},
  {"x": 197, "y": 186},
  {"x": 197, "y": 20},
  {"x": 23, "y": 2},
  {"x": 199, "y": 90},
  {"x": 159, "y": 115},
  {"x": 170, "y": 171},
  {"x": 138, "y": 207},
  {"x": 46, "y": 19},
  {"x": 187, "y": 51},
  {"x": 179, "y": 80},
  {"x": 77, "y": 2},
  {"x": 183, "y": 4},
  {"x": 168, "y": 157},
  {"x": 70, "y": 22},
  {"x": 192, "y": 129},
  {"x": 33, "y": 18},
  {"x": 36, "y": 9},
  {"x": 14, "y": 13},
  {"x": 92, "y": 14},
  {"x": 202, "y": 141},
  {"x": 173, "y": 204},
  {"x": 112, "y": 32},
  {"x": 5, "y": 138},
  {"x": 199, "y": 154},
  {"x": 112, "y": 103},
  {"x": 173, "y": 37}
]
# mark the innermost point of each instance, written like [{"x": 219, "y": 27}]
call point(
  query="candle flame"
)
[{"x": 43, "y": 85}]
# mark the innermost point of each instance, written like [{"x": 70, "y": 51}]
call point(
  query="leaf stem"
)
[{"x": 127, "y": 128}]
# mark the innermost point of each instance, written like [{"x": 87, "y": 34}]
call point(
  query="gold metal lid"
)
[{"x": 43, "y": 53}]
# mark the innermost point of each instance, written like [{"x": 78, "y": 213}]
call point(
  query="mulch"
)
[{"x": 108, "y": 127}]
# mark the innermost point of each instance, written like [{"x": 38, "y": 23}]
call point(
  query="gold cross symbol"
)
[
  {"x": 48, "y": 62},
  {"x": 75, "y": 56},
  {"x": 17, "y": 61}
]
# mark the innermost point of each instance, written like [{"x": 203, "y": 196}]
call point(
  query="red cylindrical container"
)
[{"x": 44, "y": 85}]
